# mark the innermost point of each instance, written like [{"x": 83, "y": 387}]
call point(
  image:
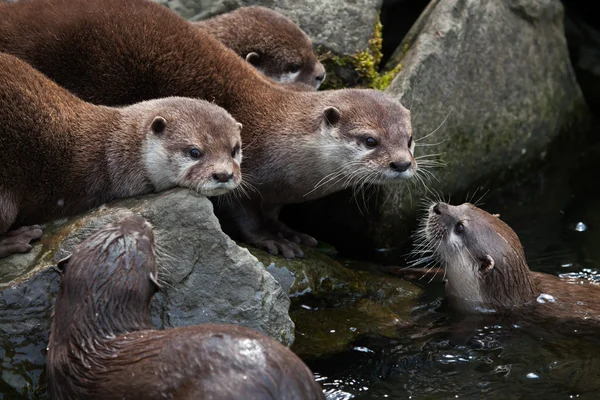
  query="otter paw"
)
[
  {"x": 299, "y": 238},
  {"x": 17, "y": 241},
  {"x": 276, "y": 246},
  {"x": 285, "y": 232}
]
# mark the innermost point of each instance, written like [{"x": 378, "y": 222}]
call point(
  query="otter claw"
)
[
  {"x": 17, "y": 241},
  {"x": 275, "y": 246}
]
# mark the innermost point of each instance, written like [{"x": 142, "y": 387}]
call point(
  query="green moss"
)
[{"x": 364, "y": 63}]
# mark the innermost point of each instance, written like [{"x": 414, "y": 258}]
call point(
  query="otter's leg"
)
[
  {"x": 16, "y": 241},
  {"x": 243, "y": 218},
  {"x": 272, "y": 222}
]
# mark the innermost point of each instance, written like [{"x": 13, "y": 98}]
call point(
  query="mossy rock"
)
[
  {"x": 321, "y": 275},
  {"x": 336, "y": 302},
  {"x": 360, "y": 69}
]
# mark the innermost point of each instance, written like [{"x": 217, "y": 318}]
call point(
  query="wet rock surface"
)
[
  {"x": 206, "y": 277},
  {"x": 336, "y": 302}
]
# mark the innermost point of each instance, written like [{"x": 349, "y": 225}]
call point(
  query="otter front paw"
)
[
  {"x": 275, "y": 245},
  {"x": 17, "y": 241},
  {"x": 285, "y": 232}
]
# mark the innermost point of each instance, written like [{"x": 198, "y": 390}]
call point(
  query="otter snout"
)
[
  {"x": 223, "y": 177},
  {"x": 400, "y": 166},
  {"x": 320, "y": 74}
]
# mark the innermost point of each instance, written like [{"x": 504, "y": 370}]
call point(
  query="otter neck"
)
[
  {"x": 471, "y": 289},
  {"x": 124, "y": 154}
]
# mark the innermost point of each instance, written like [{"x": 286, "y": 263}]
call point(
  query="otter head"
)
[
  {"x": 282, "y": 51},
  {"x": 483, "y": 257},
  {"x": 195, "y": 144},
  {"x": 367, "y": 135},
  {"x": 109, "y": 280}
]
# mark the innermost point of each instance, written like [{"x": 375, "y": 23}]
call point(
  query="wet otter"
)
[
  {"x": 487, "y": 272},
  {"x": 62, "y": 156},
  {"x": 298, "y": 145},
  {"x": 271, "y": 42},
  {"x": 103, "y": 346}
]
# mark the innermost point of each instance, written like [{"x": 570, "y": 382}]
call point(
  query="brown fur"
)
[
  {"x": 116, "y": 52},
  {"x": 103, "y": 346},
  {"x": 280, "y": 46},
  {"x": 506, "y": 283},
  {"x": 62, "y": 156}
]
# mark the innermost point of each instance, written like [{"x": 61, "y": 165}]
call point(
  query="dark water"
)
[{"x": 555, "y": 211}]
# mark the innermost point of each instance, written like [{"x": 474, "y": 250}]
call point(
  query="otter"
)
[
  {"x": 298, "y": 145},
  {"x": 271, "y": 42},
  {"x": 62, "y": 155},
  {"x": 487, "y": 271},
  {"x": 103, "y": 346}
]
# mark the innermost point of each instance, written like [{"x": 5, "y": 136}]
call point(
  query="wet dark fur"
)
[
  {"x": 508, "y": 285},
  {"x": 117, "y": 52},
  {"x": 103, "y": 346},
  {"x": 278, "y": 41}
]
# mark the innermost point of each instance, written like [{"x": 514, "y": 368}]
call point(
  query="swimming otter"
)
[
  {"x": 271, "y": 42},
  {"x": 103, "y": 346},
  {"x": 298, "y": 145},
  {"x": 487, "y": 272},
  {"x": 62, "y": 156}
]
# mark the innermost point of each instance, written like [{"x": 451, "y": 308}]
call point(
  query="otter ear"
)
[
  {"x": 239, "y": 125},
  {"x": 158, "y": 125},
  {"x": 253, "y": 58},
  {"x": 487, "y": 263},
  {"x": 331, "y": 115},
  {"x": 61, "y": 265}
]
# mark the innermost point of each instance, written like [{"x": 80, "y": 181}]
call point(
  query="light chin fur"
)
[{"x": 211, "y": 190}]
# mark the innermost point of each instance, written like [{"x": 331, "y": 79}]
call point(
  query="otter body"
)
[
  {"x": 487, "y": 272},
  {"x": 269, "y": 41},
  {"x": 298, "y": 145},
  {"x": 103, "y": 346},
  {"x": 62, "y": 156}
]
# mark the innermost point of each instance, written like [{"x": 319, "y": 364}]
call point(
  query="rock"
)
[
  {"x": 206, "y": 277},
  {"x": 334, "y": 303},
  {"x": 584, "y": 46},
  {"x": 495, "y": 77},
  {"x": 503, "y": 109},
  {"x": 339, "y": 29}
]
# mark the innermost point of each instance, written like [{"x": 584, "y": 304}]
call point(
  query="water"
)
[{"x": 556, "y": 215}]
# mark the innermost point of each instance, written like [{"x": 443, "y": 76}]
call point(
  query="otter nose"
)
[
  {"x": 223, "y": 177},
  {"x": 439, "y": 208},
  {"x": 400, "y": 166}
]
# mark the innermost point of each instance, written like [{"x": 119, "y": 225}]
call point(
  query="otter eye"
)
[
  {"x": 235, "y": 150},
  {"x": 459, "y": 228},
  {"x": 195, "y": 153},
  {"x": 294, "y": 68},
  {"x": 371, "y": 142}
]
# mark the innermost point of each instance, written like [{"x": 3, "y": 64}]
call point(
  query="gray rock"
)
[
  {"x": 206, "y": 278},
  {"x": 499, "y": 71},
  {"x": 584, "y": 43},
  {"x": 343, "y": 27}
]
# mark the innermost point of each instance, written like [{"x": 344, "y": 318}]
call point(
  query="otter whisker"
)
[
  {"x": 436, "y": 129},
  {"x": 423, "y": 156},
  {"x": 430, "y": 144},
  {"x": 333, "y": 176},
  {"x": 478, "y": 202}
]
